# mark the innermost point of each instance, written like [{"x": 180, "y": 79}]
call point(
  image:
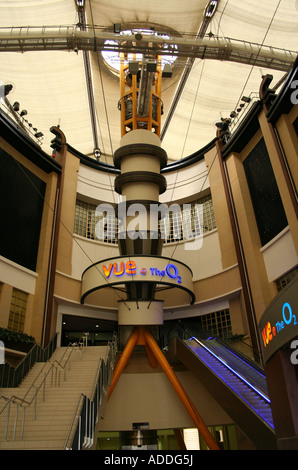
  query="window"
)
[
  {"x": 218, "y": 324},
  {"x": 189, "y": 220},
  {"x": 95, "y": 227},
  {"x": 181, "y": 222},
  {"x": 268, "y": 208},
  {"x": 17, "y": 312},
  {"x": 284, "y": 280}
]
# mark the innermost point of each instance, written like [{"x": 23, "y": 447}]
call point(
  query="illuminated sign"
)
[
  {"x": 279, "y": 323},
  {"x": 130, "y": 268},
  {"x": 139, "y": 268}
]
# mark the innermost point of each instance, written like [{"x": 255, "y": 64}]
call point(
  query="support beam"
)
[
  {"x": 22, "y": 39},
  {"x": 141, "y": 335}
]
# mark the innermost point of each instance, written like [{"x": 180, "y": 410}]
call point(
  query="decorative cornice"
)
[
  {"x": 26, "y": 146},
  {"x": 140, "y": 149},
  {"x": 140, "y": 176}
]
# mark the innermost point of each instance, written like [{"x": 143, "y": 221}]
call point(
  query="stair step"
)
[{"x": 55, "y": 414}]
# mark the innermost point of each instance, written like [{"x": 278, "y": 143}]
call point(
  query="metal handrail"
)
[
  {"x": 26, "y": 363},
  {"x": 108, "y": 363},
  {"x": 25, "y": 403}
]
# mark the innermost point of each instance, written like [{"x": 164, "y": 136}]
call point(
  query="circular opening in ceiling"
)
[{"x": 112, "y": 58}]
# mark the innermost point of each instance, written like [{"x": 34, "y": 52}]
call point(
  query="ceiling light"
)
[
  {"x": 38, "y": 135},
  {"x": 23, "y": 112},
  {"x": 246, "y": 99},
  {"x": 211, "y": 8}
]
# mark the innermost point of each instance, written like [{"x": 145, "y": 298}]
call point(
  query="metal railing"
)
[
  {"x": 82, "y": 428},
  {"x": 13, "y": 376},
  {"x": 50, "y": 370}
]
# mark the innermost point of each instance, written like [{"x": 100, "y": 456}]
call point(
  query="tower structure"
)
[{"x": 140, "y": 267}]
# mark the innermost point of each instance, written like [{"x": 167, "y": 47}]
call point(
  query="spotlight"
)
[
  {"x": 133, "y": 67},
  {"x": 223, "y": 125},
  {"x": 233, "y": 114},
  {"x": 23, "y": 112},
  {"x": 97, "y": 153},
  {"x": 16, "y": 106},
  {"x": 138, "y": 36},
  {"x": 167, "y": 71},
  {"x": 38, "y": 135},
  {"x": 7, "y": 89}
]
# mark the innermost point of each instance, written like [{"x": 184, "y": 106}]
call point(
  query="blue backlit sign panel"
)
[{"x": 279, "y": 323}]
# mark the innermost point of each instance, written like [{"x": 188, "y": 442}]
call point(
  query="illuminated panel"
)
[
  {"x": 279, "y": 323},
  {"x": 124, "y": 269}
]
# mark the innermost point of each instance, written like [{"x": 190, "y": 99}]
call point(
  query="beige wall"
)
[
  {"x": 216, "y": 277},
  {"x": 142, "y": 394}
]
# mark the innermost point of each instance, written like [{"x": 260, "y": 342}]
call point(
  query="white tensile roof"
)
[{"x": 50, "y": 82}]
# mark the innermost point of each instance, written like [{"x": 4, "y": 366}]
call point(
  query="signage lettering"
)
[
  {"x": 270, "y": 331},
  {"x": 130, "y": 268},
  {"x": 119, "y": 269}
]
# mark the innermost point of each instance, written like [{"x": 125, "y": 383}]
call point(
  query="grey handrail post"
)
[
  {"x": 23, "y": 422},
  {"x": 7, "y": 420},
  {"x": 15, "y": 421}
]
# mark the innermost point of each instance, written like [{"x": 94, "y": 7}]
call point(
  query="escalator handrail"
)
[
  {"x": 259, "y": 392},
  {"x": 257, "y": 366},
  {"x": 248, "y": 362}
]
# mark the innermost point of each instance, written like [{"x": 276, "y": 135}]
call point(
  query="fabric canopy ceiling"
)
[{"x": 51, "y": 84}]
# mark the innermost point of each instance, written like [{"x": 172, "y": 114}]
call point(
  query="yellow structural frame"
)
[{"x": 131, "y": 91}]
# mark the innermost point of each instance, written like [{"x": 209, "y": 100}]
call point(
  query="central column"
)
[{"x": 140, "y": 159}]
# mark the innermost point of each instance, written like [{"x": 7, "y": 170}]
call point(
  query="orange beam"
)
[
  {"x": 130, "y": 345},
  {"x": 141, "y": 335},
  {"x": 180, "y": 392}
]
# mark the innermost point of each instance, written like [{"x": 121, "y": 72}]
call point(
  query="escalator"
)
[{"x": 237, "y": 384}]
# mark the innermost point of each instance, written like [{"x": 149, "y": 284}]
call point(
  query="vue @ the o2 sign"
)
[
  {"x": 123, "y": 269},
  {"x": 279, "y": 323}
]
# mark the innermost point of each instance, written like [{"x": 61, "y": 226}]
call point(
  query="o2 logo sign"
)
[{"x": 270, "y": 332}]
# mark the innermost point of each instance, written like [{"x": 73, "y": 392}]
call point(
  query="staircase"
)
[{"x": 49, "y": 414}]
